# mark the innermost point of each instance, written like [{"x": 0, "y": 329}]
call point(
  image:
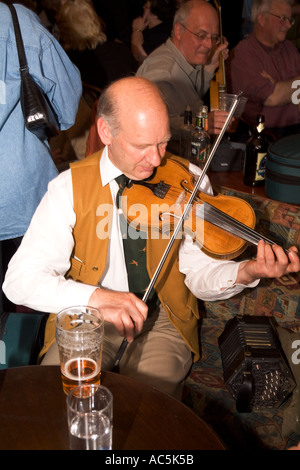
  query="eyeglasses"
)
[
  {"x": 283, "y": 19},
  {"x": 204, "y": 36}
]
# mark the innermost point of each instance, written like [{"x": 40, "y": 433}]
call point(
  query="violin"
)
[
  {"x": 221, "y": 225},
  {"x": 218, "y": 83}
]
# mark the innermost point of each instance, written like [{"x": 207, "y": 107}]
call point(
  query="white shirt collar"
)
[{"x": 108, "y": 171}]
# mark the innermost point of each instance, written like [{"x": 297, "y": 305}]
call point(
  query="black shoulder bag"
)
[{"x": 39, "y": 116}]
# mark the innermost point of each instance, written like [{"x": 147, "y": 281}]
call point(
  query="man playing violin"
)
[
  {"x": 185, "y": 64},
  {"x": 69, "y": 256}
]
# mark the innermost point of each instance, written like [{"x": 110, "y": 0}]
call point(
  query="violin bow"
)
[{"x": 184, "y": 215}]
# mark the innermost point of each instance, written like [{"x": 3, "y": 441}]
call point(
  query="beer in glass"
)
[{"x": 79, "y": 336}]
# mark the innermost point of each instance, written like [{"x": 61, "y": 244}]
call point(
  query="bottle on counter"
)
[
  {"x": 186, "y": 134},
  {"x": 205, "y": 119},
  {"x": 201, "y": 141},
  {"x": 255, "y": 158}
]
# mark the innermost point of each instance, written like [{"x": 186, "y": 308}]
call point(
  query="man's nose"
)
[{"x": 155, "y": 155}]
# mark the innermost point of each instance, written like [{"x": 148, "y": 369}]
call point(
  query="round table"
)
[{"x": 33, "y": 414}]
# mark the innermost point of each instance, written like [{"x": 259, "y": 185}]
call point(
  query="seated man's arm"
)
[
  {"x": 212, "y": 279},
  {"x": 247, "y": 72},
  {"x": 35, "y": 276},
  {"x": 282, "y": 93}
]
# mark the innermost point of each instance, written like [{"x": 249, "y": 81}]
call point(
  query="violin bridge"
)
[{"x": 180, "y": 198}]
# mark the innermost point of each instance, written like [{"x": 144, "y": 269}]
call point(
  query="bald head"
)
[
  {"x": 128, "y": 97},
  {"x": 193, "y": 7},
  {"x": 133, "y": 123},
  {"x": 193, "y": 20}
]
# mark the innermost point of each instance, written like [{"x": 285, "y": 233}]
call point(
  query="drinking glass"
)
[
  {"x": 79, "y": 336},
  {"x": 225, "y": 102},
  {"x": 90, "y": 417}
]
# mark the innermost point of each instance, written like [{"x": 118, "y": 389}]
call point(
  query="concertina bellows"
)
[{"x": 39, "y": 116}]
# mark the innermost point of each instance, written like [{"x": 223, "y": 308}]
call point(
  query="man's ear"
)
[
  {"x": 261, "y": 19},
  {"x": 104, "y": 131},
  {"x": 177, "y": 31}
]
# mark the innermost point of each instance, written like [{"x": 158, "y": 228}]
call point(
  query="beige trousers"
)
[{"x": 158, "y": 356}]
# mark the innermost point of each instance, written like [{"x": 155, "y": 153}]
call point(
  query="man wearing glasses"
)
[
  {"x": 266, "y": 67},
  {"x": 183, "y": 67}
]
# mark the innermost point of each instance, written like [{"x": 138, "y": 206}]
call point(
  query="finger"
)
[
  {"x": 222, "y": 47},
  {"x": 272, "y": 261},
  {"x": 142, "y": 307},
  {"x": 225, "y": 54},
  {"x": 270, "y": 255},
  {"x": 281, "y": 256},
  {"x": 139, "y": 315},
  {"x": 276, "y": 260},
  {"x": 128, "y": 328},
  {"x": 260, "y": 255},
  {"x": 133, "y": 317},
  {"x": 294, "y": 265},
  {"x": 220, "y": 115},
  {"x": 224, "y": 40}
]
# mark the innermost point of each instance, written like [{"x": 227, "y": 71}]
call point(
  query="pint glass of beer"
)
[{"x": 79, "y": 336}]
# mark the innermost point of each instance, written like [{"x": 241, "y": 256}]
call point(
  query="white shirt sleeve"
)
[
  {"x": 206, "y": 277},
  {"x": 35, "y": 276}
]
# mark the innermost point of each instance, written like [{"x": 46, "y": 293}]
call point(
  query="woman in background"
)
[
  {"x": 153, "y": 28},
  {"x": 99, "y": 61}
]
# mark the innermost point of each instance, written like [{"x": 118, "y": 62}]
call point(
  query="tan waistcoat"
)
[{"x": 179, "y": 303}]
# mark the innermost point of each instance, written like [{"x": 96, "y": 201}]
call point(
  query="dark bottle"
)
[
  {"x": 186, "y": 134},
  {"x": 255, "y": 159},
  {"x": 201, "y": 141}
]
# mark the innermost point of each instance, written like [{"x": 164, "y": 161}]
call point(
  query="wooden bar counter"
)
[{"x": 234, "y": 180}]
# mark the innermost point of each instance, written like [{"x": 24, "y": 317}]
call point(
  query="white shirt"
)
[{"x": 35, "y": 276}]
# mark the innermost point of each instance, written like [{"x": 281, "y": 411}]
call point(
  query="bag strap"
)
[{"x": 19, "y": 40}]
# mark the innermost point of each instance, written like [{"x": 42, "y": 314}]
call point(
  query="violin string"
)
[
  {"x": 211, "y": 214},
  {"x": 220, "y": 218},
  {"x": 217, "y": 217}
]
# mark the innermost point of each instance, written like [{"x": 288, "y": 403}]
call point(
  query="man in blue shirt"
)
[{"x": 25, "y": 161}]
